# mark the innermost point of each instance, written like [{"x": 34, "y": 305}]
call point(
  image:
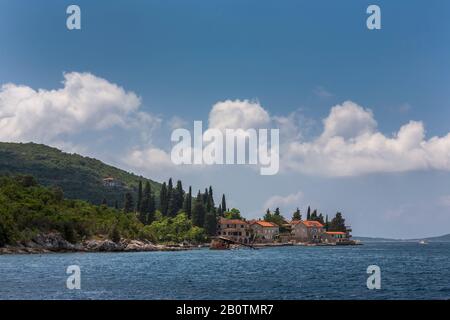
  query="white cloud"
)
[
  {"x": 350, "y": 145},
  {"x": 238, "y": 114},
  {"x": 84, "y": 103},
  {"x": 288, "y": 202}
]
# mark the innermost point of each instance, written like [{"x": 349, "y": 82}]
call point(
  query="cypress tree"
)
[
  {"x": 139, "y": 197},
  {"x": 145, "y": 203},
  {"x": 163, "y": 201},
  {"x": 308, "y": 214},
  {"x": 129, "y": 205},
  {"x": 198, "y": 212},
  {"x": 188, "y": 203},
  {"x": 210, "y": 223},
  {"x": 224, "y": 204}
]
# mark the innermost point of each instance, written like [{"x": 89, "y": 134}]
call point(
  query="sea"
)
[{"x": 407, "y": 270}]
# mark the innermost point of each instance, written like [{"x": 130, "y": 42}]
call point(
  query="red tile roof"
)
[
  {"x": 266, "y": 224},
  {"x": 335, "y": 232},
  {"x": 308, "y": 223}
]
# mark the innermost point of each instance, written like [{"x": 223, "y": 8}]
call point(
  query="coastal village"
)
[{"x": 260, "y": 233}]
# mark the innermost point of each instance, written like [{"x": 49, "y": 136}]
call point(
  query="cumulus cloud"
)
[
  {"x": 350, "y": 145},
  {"x": 287, "y": 202},
  {"x": 238, "y": 114},
  {"x": 85, "y": 102}
]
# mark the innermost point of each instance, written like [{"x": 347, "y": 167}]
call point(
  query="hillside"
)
[
  {"x": 80, "y": 177},
  {"x": 443, "y": 238}
]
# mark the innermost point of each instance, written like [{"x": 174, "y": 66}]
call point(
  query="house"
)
[
  {"x": 264, "y": 231},
  {"x": 110, "y": 182},
  {"x": 307, "y": 231},
  {"x": 335, "y": 237},
  {"x": 234, "y": 229}
]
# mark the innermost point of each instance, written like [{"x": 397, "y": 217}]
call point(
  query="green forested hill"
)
[{"x": 80, "y": 177}]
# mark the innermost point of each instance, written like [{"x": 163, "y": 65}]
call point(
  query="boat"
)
[{"x": 423, "y": 242}]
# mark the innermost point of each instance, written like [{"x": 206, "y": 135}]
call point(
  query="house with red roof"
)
[
  {"x": 264, "y": 231},
  {"x": 307, "y": 231}
]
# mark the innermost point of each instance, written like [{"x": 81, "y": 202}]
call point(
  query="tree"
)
[
  {"x": 275, "y": 217},
  {"x": 297, "y": 215},
  {"x": 210, "y": 223},
  {"x": 210, "y": 200},
  {"x": 198, "y": 212},
  {"x": 104, "y": 202},
  {"x": 327, "y": 223},
  {"x": 116, "y": 205},
  {"x": 129, "y": 205},
  {"x": 147, "y": 211},
  {"x": 163, "y": 200},
  {"x": 115, "y": 234},
  {"x": 187, "y": 206},
  {"x": 139, "y": 197},
  {"x": 224, "y": 204},
  {"x": 320, "y": 219},
  {"x": 233, "y": 214},
  {"x": 5, "y": 234},
  {"x": 314, "y": 215},
  {"x": 338, "y": 223},
  {"x": 308, "y": 214}
]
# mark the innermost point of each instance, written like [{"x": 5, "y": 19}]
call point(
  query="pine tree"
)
[
  {"x": 139, "y": 199},
  {"x": 308, "y": 214},
  {"x": 297, "y": 215},
  {"x": 129, "y": 205},
  {"x": 198, "y": 212},
  {"x": 338, "y": 223}
]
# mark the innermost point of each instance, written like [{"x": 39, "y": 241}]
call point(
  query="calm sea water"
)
[{"x": 408, "y": 271}]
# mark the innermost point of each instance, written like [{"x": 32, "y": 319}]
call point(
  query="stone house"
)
[
  {"x": 234, "y": 229},
  {"x": 307, "y": 231},
  {"x": 264, "y": 231}
]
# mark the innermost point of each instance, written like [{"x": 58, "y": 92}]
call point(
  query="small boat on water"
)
[{"x": 423, "y": 242}]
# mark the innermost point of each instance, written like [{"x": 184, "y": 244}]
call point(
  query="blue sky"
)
[{"x": 296, "y": 58}]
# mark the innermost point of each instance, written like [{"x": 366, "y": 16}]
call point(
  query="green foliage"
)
[
  {"x": 80, "y": 177},
  {"x": 26, "y": 211},
  {"x": 115, "y": 234},
  {"x": 176, "y": 229},
  {"x": 233, "y": 214},
  {"x": 337, "y": 223},
  {"x": 297, "y": 215},
  {"x": 199, "y": 211},
  {"x": 275, "y": 217}
]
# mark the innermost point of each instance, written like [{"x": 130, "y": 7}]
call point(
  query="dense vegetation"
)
[
  {"x": 80, "y": 177},
  {"x": 28, "y": 209}
]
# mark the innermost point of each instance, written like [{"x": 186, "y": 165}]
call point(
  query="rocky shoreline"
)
[{"x": 55, "y": 243}]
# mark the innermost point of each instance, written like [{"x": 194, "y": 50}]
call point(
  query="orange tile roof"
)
[
  {"x": 266, "y": 224},
  {"x": 335, "y": 232},
  {"x": 310, "y": 223}
]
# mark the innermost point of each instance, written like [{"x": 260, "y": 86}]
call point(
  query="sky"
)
[{"x": 363, "y": 114}]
